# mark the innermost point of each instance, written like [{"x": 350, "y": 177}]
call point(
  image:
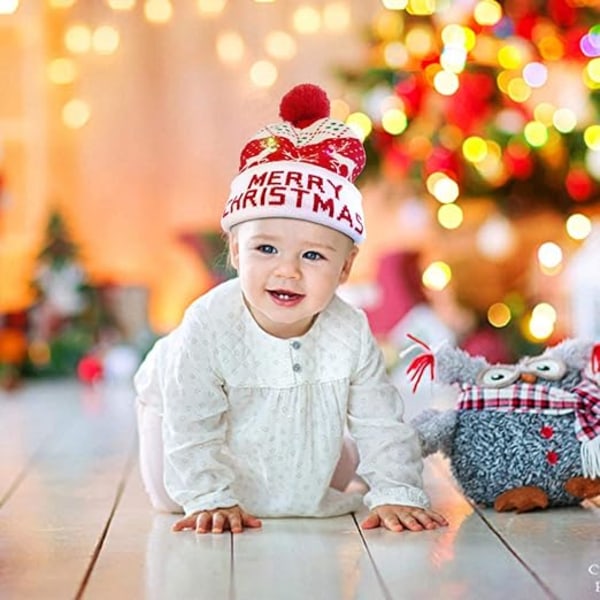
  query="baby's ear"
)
[
  {"x": 234, "y": 250},
  {"x": 347, "y": 267}
]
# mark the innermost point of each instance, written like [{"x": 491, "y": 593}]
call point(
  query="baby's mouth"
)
[{"x": 285, "y": 295}]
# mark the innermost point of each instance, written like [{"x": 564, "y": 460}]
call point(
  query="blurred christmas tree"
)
[
  {"x": 68, "y": 316},
  {"x": 482, "y": 98},
  {"x": 483, "y": 102}
]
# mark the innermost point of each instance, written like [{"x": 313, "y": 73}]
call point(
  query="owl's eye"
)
[
  {"x": 498, "y": 376},
  {"x": 546, "y": 368}
]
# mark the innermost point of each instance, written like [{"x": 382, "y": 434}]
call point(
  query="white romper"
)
[{"x": 255, "y": 420}]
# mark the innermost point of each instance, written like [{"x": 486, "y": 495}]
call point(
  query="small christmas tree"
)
[{"x": 68, "y": 316}]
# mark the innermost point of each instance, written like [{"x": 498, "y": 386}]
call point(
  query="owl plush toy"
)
[{"x": 523, "y": 436}]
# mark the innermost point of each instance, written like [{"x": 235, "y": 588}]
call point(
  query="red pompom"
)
[{"x": 303, "y": 105}]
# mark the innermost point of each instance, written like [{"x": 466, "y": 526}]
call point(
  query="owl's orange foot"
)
[
  {"x": 522, "y": 499},
  {"x": 583, "y": 487}
]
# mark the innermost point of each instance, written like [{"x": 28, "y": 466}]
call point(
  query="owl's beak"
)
[{"x": 528, "y": 377}]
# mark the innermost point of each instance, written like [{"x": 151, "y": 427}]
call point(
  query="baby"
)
[{"x": 242, "y": 408}]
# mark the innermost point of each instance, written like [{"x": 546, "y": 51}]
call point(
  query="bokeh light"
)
[
  {"x": 76, "y": 113},
  {"x": 105, "y": 39},
  {"x": 62, "y": 71},
  {"x": 78, "y": 39},
  {"x": 158, "y": 11},
  {"x": 210, "y": 7},
  {"x": 306, "y": 19},
  {"x": 437, "y": 275},
  {"x": 336, "y": 17},
  {"x": 578, "y": 226},
  {"x": 8, "y": 7},
  {"x": 360, "y": 123},
  {"x": 499, "y": 315},
  {"x": 549, "y": 255},
  {"x": 450, "y": 216},
  {"x": 487, "y": 12},
  {"x": 263, "y": 73},
  {"x": 394, "y": 121},
  {"x": 230, "y": 47},
  {"x": 446, "y": 83},
  {"x": 280, "y": 45}
]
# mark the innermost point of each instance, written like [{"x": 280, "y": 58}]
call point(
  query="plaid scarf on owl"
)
[{"x": 584, "y": 400}]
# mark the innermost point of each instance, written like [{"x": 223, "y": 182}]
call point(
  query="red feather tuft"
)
[
  {"x": 303, "y": 105},
  {"x": 596, "y": 359},
  {"x": 420, "y": 364}
]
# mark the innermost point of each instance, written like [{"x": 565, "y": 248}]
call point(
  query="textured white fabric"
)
[{"x": 255, "y": 420}]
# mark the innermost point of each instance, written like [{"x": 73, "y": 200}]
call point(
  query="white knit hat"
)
[{"x": 302, "y": 168}]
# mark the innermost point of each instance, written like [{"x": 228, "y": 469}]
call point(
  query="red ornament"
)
[
  {"x": 470, "y": 106},
  {"x": 579, "y": 184},
  {"x": 443, "y": 160},
  {"x": 552, "y": 457},
  {"x": 89, "y": 369},
  {"x": 520, "y": 164},
  {"x": 411, "y": 91},
  {"x": 546, "y": 432},
  {"x": 303, "y": 105},
  {"x": 563, "y": 13}
]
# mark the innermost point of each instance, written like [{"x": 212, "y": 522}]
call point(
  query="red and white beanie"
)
[{"x": 302, "y": 168}]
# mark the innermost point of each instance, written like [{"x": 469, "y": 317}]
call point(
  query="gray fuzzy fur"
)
[
  {"x": 497, "y": 451},
  {"x": 436, "y": 430},
  {"x": 453, "y": 365}
]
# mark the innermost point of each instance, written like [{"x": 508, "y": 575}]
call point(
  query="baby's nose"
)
[{"x": 288, "y": 268}]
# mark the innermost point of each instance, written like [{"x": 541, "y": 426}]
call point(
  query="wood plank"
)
[
  {"x": 51, "y": 524},
  {"x": 143, "y": 558},
  {"x": 296, "y": 559},
  {"x": 561, "y": 546},
  {"x": 29, "y": 416},
  {"x": 465, "y": 560}
]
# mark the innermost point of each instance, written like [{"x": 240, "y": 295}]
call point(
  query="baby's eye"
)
[
  {"x": 313, "y": 255},
  {"x": 267, "y": 249}
]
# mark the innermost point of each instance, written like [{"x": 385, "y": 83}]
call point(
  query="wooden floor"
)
[{"x": 74, "y": 523}]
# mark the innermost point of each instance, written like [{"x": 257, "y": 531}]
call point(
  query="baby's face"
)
[{"x": 289, "y": 271}]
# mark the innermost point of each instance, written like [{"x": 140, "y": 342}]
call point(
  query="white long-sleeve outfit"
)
[{"x": 255, "y": 420}]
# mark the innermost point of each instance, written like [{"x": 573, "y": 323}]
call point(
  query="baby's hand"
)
[
  {"x": 396, "y": 517},
  {"x": 216, "y": 520}
]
